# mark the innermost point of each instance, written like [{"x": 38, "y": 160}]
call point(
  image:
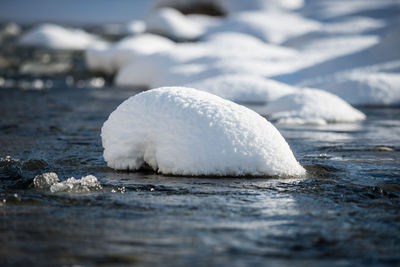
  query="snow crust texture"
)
[{"x": 183, "y": 131}]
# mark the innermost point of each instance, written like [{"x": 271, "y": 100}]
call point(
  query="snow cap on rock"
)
[{"x": 183, "y": 131}]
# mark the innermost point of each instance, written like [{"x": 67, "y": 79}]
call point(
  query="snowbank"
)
[
  {"x": 171, "y": 23},
  {"x": 111, "y": 58},
  {"x": 57, "y": 37},
  {"x": 310, "y": 106},
  {"x": 241, "y": 88},
  {"x": 183, "y": 131}
]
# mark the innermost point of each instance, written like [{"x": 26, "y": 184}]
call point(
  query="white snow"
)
[
  {"x": 183, "y": 131},
  {"x": 360, "y": 87},
  {"x": 242, "y": 88},
  {"x": 111, "y": 58},
  {"x": 50, "y": 182},
  {"x": 272, "y": 27},
  {"x": 222, "y": 53},
  {"x": 57, "y": 37},
  {"x": 171, "y": 23},
  {"x": 311, "y": 106}
]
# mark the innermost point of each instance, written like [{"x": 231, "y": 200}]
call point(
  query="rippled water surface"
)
[{"x": 346, "y": 211}]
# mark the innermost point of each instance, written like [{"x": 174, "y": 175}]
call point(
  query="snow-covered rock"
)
[
  {"x": 272, "y": 27},
  {"x": 57, "y": 37},
  {"x": 310, "y": 106},
  {"x": 171, "y": 23},
  {"x": 365, "y": 88},
  {"x": 111, "y": 58},
  {"x": 183, "y": 131},
  {"x": 242, "y": 88}
]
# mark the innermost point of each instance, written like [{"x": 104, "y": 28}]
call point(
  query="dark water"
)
[{"x": 345, "y": 212}]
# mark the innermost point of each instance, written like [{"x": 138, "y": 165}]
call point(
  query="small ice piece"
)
[
  {"x": 245, "y": 89},
  {"x": 184, "y": 131},
  {"x": 171, "y": 23},
  {"x": 46, "y": 180},
  {"x": 50, "y": 182},
  {"x": 84, "y": 185},
  {"x": 57, "y": 37},
  {"x": 311, "y": 106}
]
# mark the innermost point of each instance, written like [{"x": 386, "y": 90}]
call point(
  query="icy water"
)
[{"x": 345, "y": 212}]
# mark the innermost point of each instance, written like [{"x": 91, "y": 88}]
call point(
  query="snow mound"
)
[
  {"x": 110, "y": 59},
  {"x": 171, "y": 23},
  {"x": 272, "y": 27},
  {"x": 242, "y": 88},
  {"x": 183, "y": 131},
  {"x": 310, "y": 106},
  {"x": 50, "y": 182},
  {"x": 366, "y": 88},
  {"x": 56, "y": 37}
]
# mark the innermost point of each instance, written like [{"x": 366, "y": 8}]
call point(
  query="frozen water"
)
[{"x": 50, "y": 182}]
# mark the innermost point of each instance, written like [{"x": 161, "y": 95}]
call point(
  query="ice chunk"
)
[
  {"x": 311, "y": 106},
  {"x": 170, "y": 22},
  {"x": 57, "y": 37},
  {"x": 46, "y": 180},
  {"x": 183, "y": 131},
  {"x": 84, "y": 185},
  {"x": 241, "y": 88},
  {"x": 50, "y": 182}
]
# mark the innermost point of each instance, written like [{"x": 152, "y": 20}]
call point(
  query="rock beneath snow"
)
[
  {"x": 57, "y": 37},
  {"x": 183, "y": 131},
  {"x": 311, "y": 106},
  {"x": 242, "y": 88},
  {"x": 110, "y": 59},
  {"x": 173, "y": 24}
]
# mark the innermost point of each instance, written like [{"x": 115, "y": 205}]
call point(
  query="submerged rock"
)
[{"x": 183, "y": 131}]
